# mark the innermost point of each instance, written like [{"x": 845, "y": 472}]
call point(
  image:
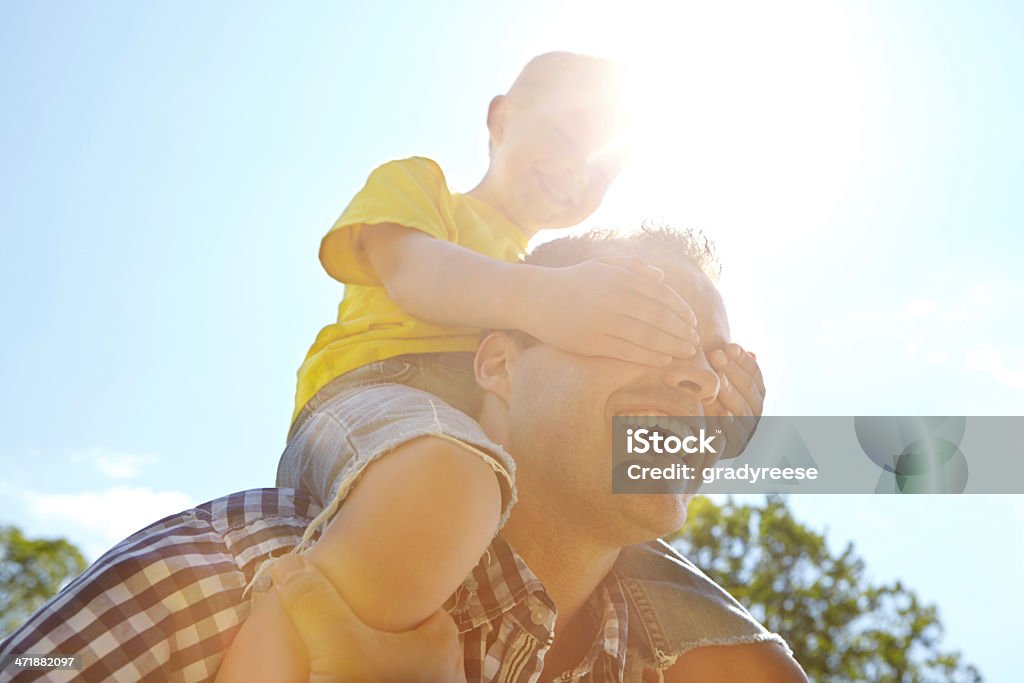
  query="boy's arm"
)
[{"x": 614, "y": 307}]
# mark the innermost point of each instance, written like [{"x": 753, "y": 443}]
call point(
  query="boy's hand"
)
[
  {"x": 612, "y": 307},
  {"x": 737, "y": 407}
]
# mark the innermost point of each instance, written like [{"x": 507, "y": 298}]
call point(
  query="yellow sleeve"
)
[{"x": 411, "y": 192}]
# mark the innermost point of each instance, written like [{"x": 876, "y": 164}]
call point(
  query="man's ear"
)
[
  {"x": 497, "y": 114},
  {"x": 494, "y": 365}
]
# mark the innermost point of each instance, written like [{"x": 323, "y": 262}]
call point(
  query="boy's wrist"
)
[{"x": 525, "y": 290}]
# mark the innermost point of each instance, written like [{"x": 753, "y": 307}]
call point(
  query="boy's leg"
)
[
  {"x": 411, "y": 531},
  {"x": 408, "y": 534},
  {"x": 424, "y": 491}
]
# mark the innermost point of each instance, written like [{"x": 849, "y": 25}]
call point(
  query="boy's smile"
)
[{"x": 551, "y": 178}]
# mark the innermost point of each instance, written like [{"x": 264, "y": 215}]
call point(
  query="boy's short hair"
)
[
  {"x": 558, "y": 71},
  {"x": 689, "y": 244},
  {"x": 587, "y": 80}
]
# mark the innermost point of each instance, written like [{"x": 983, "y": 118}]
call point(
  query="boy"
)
[{"x": 425, "y": 269}]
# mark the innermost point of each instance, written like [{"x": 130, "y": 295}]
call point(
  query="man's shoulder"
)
[
  {"x": 765, "y": 662},
  {"x": 661, "y": 571},
  {"x": 680, "y": 607},
  {"x": 169, "y": 597}
]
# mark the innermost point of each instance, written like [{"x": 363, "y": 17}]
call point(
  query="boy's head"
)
[{"x": 556, "y": 140}]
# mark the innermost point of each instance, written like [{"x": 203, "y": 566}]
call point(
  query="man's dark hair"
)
[{"x": 689, "y": 244}]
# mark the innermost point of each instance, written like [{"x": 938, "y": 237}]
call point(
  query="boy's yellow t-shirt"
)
[{"x": 371, "y": 327}]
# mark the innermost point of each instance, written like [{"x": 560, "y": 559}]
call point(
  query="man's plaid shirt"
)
[{"x": 165, "y": 603}]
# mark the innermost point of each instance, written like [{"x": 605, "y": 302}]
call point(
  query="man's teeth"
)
[{"x": 664, "y": 422}]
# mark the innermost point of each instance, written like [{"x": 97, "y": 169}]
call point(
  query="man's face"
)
[
  {"x": 556, "y": 158},
  {"x": 561, "y": 413}
]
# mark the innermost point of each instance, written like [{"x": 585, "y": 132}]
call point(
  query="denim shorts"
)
[{"x": 368, "y": 412}]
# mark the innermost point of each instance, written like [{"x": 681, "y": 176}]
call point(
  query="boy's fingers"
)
[
  {"x": 740, "y": 393},
  {"x": 665, "y": 296},
  {"x": 741, "y": 367},
  {"x": 623, "y": 349},
  {"x": 713, "y": 408},
  {"x": 654, "y": 288},
  {"x": 748, "y": 361},
  {"x": 660, "y": 316},
  {"x": 759, "y": 379},
  {"x": 732, "y": 400},
  {"x": 742, "y": 357},
  {"x": 738, "y": 432},
  {"x": 634, "y": 264},
  {"x": 653, "y": 339}
]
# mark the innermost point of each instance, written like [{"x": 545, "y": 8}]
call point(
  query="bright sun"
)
[{"x": 750, "y": 124}]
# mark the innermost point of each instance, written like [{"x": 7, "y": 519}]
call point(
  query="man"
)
[{"x": 573, "y": 588}]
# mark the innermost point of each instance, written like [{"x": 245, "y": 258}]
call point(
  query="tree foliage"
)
[
  {"x": 31, "y": 572},
  {"x": 841, "y": 627}
]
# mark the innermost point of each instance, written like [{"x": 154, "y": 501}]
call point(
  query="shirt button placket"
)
[{"x": 542, "y": 616}]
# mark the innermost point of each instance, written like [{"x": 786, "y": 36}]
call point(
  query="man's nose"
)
[{"x": 694, "y": 375}]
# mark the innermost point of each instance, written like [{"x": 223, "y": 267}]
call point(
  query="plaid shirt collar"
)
[{"x": 503, "y": 598}]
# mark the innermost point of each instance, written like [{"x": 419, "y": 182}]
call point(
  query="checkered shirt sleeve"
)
[{"x": 164, "y": 604}]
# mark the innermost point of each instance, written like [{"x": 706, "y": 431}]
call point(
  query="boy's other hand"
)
[
  {"x": 737, "y": 407},
  {"x": 613, "y": 307}
]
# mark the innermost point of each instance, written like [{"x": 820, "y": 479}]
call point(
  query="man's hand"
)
[
  {"x": 737, "y": 407},
  {"x": 342, "y": 649},
  {"x": 613, "y": 307}
]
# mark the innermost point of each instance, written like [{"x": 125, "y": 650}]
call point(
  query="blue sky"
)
[{"x": 168, "y": 170}]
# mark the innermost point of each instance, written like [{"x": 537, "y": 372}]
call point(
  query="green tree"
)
[
  {"x": 32, "y": 571},
  {"x": 841, "y": 627}
]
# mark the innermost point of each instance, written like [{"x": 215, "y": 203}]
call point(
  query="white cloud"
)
[
  {"x": 973, "y": 324},
  {"x": 98, "y": 519},
  {"x": 921, "y": 307},
  {"x": 919, "y": 325},
  {"x": 988, "y": 360},
  {"x": 113, "y": 464}
]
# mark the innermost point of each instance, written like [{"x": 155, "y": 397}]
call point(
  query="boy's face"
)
[{"x": 555, "y": 156}]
